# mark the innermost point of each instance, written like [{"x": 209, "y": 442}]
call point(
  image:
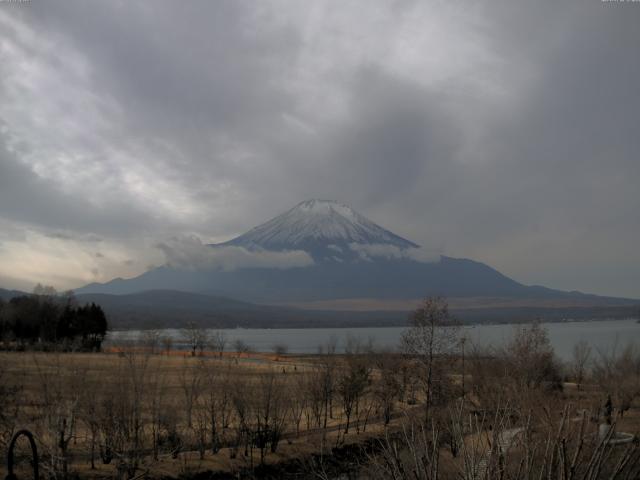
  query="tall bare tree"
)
[
  {"x": 298, "y": 400},
  {"x": 579, "y": 362},
  {"x": 218, "y": 342},
  {"x": 387, "y": 388},
  {"x": 191, "y": 380},
  {"x": 432, "y": 335},
  {"x": 352, "y": 380}
]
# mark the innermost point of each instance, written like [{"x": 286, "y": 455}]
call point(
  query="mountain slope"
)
[{"x": 353, "y": 258}]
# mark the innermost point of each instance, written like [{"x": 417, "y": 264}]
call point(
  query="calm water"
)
[{"x": 602, "y": 335}]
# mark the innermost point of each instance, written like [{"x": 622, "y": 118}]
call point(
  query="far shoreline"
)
[{"x": 373, "y": 325}]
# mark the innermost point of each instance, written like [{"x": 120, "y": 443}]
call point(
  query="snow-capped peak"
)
[
  {"x": 315, "y": 225},
  {"x": 325, "y": 207}
]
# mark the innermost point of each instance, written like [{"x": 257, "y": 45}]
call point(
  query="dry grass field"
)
[
  {"x": 133, "y": 412},
  {"x": 169, "y": 413}
]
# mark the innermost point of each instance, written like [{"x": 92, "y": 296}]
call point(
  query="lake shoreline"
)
[{"x": 601, "y": 334}]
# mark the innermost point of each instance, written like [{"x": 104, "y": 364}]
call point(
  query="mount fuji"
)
[
  {"x": 329, "y": 231},
  {"x": 322, "y": 254}
]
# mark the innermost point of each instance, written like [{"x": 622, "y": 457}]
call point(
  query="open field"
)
[
  {"x": 137, "y": 412},
  {"x": 168, "y": 413}
]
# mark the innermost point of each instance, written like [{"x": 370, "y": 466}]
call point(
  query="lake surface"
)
[{"x": 601, "y": 335}]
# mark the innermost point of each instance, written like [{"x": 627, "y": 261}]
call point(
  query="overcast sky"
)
[{"x": 503, "y": 131}]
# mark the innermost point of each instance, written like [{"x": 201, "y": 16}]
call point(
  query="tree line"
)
[{"x": 48, "y": 320}]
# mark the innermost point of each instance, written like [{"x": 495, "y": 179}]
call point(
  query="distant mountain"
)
[
  {"x": 327, "y": 230},
  {"x": 352, "y": 258},
  {"x": 174, "y": 309},
  {"x": 9, "y": 294},
  {"x": 158, "y": 309}
]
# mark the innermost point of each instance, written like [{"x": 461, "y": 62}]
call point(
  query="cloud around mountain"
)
[
  {"x": 391, "y": 252},
  {"x": 189, "y": 253},
  {"x": 314, "y": 231}
]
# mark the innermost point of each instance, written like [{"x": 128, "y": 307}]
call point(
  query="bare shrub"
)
[
  {"x": 496, "y": 446},
  {"x": 618, "y": 374}
]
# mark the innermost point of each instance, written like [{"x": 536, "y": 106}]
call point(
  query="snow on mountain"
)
[{"x": 324, "y": 228}]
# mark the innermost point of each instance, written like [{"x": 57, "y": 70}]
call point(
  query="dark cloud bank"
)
[{"x": 501, "y": 131}]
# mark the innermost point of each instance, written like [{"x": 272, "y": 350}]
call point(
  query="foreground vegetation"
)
[{"x": 437, "y": 408}]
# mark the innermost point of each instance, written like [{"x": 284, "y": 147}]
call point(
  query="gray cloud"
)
[
  {"x": 191, "y": 253},
  {"x": 366, "y": 252},
  {"x": 501, "y": 131}
]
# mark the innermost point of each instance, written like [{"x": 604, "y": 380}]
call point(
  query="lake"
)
[{"x": 601, "y": 335}]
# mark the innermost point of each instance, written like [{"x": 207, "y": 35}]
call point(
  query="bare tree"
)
[
  {"x": 241, "y": 405},
  {"x": 61, "y": 398},
  {"x": 388, "y": 386},
  {"x": 269, "y": 410},
  {"x": 217, "y": 399},
  {"x": 195, "y": 337},
  {"x": 150, "y": 340},
  {"x": 89, "y": 414},
  {"x": 280, "y": 349},
  {"x": 298, "y": 400},
  {"x": 579, "y": 363},
  {"x": 201, "y": 424},
  {"x": 241, "y": 347},
  {"x": 218, "y": 341},
  {"x": 316, "y": 390},
  {"x": 327, "y": 378},
  {"x": 131, "y": 386},
  {"x": 167, "y": 343},
  {"x": 156, "y": 403},
  {"x": 433, "y": 334},
  {"x": 531, "y": 359},
  {"x": 352, "y": 380},
  {"x": 191, "y": 379},
  {"x": 618, "y": 374},
  {"x": 488, "y": 375}
]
